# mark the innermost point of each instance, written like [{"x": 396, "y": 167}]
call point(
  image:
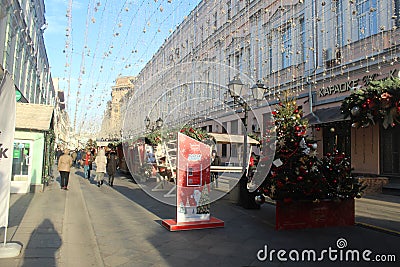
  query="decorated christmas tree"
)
[
  {"x": 204, "y": 202},
  {"x": 296, "y": 172}
]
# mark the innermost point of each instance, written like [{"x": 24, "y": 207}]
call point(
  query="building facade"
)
[
  {"x": 23, "y": 55},
  {"x": 114, "y": 114},
  {"x": 22, "y": 49},
  {"x": 318, "y": 51}
]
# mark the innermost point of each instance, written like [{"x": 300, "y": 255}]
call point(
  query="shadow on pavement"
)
[
  {"x": 138, "y": 196},
  {"x": 43, "y": 245},
  {"x": 19, "y": 208}
]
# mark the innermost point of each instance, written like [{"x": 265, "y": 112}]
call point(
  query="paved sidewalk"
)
[
  {"x": 120, "y": 226},
  {"x": 53, "y": 227},
  {"x": 379, "y": 212}
]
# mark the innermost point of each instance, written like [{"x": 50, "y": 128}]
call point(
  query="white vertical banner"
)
[{"x": 7, "y": 130}]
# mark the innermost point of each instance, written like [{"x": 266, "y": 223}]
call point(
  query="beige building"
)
[
  {"x": 318, "y": 50},
  {"x": 114, "y": 114}
]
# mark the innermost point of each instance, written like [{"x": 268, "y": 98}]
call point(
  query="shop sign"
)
[{"x": 353, "y": 84}]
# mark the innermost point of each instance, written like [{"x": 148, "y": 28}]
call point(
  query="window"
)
[
  {"x": 367, "y": 18},
  {"x": 229, "y": 12},
  {"x": 224, "y": 150},
  {"x": 390, "y": 151},
  {"x": 397, "y": 12},
  {"x": 216, "y": 20},
  {"x": 270, "y": 53},
  {"x": 224, "y": 127},
  {"x": 237, "y": 6},
  {"x": 234, "y": 127},
  {"x": 339, "y": 24},
  {"x": 234, "y": 151},
  {"x": 286, "y": 47},
  {"x": 210, "y": 128},
  {"x": 338, "y": 139},
  {"x": 303, "y": 40}
]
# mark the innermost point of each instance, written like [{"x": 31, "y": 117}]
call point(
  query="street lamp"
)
[
  {"x": 236, "y": 90},
  {"x": 235, "y": 87},
  {"x": 258, "y": 90},
  {"x": 159, "y": 123},
  {"x": 147, "y": 122}
]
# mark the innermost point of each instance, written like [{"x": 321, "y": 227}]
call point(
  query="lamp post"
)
[
  {"x": 159, "y": 123},
  {"x": 236, "y": 89},
  {"x": 147, "y": 122}
]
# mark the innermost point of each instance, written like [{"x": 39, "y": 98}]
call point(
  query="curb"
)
[{"x": 377, "y": 228}]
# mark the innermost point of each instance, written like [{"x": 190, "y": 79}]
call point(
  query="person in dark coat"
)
[
  {"x": 112, "y": 163},
  {"x": 215, "y": 161}
]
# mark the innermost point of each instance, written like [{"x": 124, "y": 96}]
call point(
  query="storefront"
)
[
  {"x": 374, "y": 150},
  {"x": 30, "y": 155}
]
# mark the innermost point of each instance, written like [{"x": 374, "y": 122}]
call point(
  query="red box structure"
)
[
  {"x": 172, "y": 225},
  {"x": 308, "y": 214}
]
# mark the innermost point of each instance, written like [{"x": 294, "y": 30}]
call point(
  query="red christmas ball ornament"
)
[
  {"x": 274, "y": 113},
  {"x": 335, "y": 181},
  {"x": 296, "y": 111},
  {"x": 297, "y": 128},
  {"x": 364, "y": 105},
  {"x": 318, "y": 129},
  {"x": 368, "y": 100},
  {"x": 300, "y": 178}
]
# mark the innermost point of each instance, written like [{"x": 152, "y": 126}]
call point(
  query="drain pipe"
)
[{"x": 315, "y": 60}]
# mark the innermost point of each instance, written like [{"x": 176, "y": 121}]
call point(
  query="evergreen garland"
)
[{"x": 378, "y": 102}]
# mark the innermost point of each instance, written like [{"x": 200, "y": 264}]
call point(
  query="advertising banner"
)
[
  {"x": 193, "y": 180},
  {"x": 7, "y": 129}
]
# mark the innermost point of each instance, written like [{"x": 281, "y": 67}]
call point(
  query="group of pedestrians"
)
[{"x": 103, "y": 163}]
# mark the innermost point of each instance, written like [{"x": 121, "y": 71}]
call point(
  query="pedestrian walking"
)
[
  {"x": 215, "y": 161},
  {"x": 79, "y": 158},
  {"x": 112, "y": 163},
  {"x": 87, "y": 162},
  {"x": 64, "y": 167},
  {"x": 74, "y": 155},
  {"x": 101, "y": 164},
  {"x": 59, "y": 153}
]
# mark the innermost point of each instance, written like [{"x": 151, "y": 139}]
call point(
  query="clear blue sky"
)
[{"x": 107, "y": 38}]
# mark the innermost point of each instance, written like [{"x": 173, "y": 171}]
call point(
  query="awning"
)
[
  {"x": 232, "y": 139},
  {"x": 326, "y": 115},
  {"x": 33, "y": 116}
]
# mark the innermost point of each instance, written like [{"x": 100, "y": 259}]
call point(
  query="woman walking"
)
[
  {"x": 112, "y": 162},
  {"x": 101, "y": 163},
  {"x": 64, "y": 167}
]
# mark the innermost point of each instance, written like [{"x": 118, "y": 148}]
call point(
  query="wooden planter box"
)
[{"x": 308, "y": 214}]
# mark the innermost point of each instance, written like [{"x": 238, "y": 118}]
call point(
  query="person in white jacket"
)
[{"x": 101, "y": 167}]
